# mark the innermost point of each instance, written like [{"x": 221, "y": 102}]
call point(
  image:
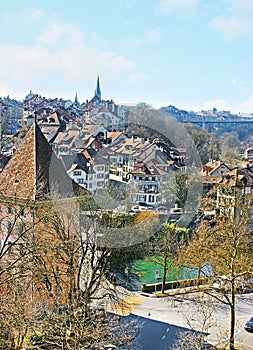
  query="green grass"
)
[{"x": 145, "y": 271}]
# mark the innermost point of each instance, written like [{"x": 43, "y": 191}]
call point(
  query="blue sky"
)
[{"x": 193, "y": 54}]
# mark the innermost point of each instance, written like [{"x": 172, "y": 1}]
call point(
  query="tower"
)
[
  {"x": 76, "y": 103},
  {"x": 97, "y": 93}
]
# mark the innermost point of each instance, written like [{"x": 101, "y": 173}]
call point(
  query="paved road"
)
[
  {"x": 163, "y": 318},
  {"x": 155, "y": 335}
]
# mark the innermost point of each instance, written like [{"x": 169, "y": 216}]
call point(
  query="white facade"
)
[{"x": 93, "y": 181}]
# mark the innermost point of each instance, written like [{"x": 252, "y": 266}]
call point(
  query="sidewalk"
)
[{"x": 127, "y": 305}]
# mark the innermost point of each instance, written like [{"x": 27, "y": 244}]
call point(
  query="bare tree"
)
[
  {"x": 52, "y": 268},
  {"x": 225, "y": 248},
  {"x": 166, "y": 245},
  {"x": 199, "y": 317},
  {"x": 18, "y": 222},
  {"x": 78, "y": 330},
  {"x": 70, "y": 274}
]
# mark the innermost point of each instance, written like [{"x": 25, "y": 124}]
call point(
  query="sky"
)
[{"x": 192, "y": 54}]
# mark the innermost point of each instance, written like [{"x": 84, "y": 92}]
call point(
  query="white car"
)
[{"x": 137, "y": 208}]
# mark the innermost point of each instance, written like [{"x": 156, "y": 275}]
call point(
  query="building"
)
[
  {"x": 211, "y": 173},
  {"x": 234, "y": 189},
  {"x": 89, "y": 168},
  {"x": 37, "y": 197}
]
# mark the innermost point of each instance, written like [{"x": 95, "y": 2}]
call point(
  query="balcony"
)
[{"x": 146, "y": 182}]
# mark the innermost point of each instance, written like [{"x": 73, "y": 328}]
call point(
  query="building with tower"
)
[{"x": 97, "y": 92}]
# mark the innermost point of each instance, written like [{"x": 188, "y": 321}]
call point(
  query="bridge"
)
[{"x": 208, "y": 121}]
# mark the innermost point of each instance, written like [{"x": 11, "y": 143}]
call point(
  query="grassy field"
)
[{"x": 145, "y": 271}]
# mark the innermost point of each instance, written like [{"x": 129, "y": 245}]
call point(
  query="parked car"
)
[
  {"x": 249, "y": 325},
  {"x": 137, "y": 208}
]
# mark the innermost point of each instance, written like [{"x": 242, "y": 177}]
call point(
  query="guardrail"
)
[{"x": 149, "y": 288}]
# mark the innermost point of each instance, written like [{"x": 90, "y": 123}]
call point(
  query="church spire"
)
[
  {"x": 98, "y": 91},
  {"x": 76, "y": 103}
]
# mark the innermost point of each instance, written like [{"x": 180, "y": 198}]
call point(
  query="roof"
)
[
  {"x": 237, "y": 177},
  {"x": 68, "y": 160},
  {"x": 4, "y": 159},
  {"x": 148, "y": 168},
  {"x": 114, "y": 134},
  {"x": 93, "y": 129},
  {"x": 34, "y": 171}
]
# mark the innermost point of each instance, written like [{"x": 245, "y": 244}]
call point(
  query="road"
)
[
  {"x": 162, "y": 319},
  {"x": 155, "y": 335}
]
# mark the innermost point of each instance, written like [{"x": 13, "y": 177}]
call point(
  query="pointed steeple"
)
[
  {"x": 98, "y": 91},
  {"x": 76, "y": 100},
  {"x": 34, "y": 170}
]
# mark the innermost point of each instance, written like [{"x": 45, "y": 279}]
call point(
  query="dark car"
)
[{"x": 249, "y": 325}]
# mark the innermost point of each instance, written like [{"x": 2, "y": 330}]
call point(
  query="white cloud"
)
[
  {"x": 238, "y": 23},
  {"x": 137, "y": 76},
  {"x": 222, "y": 105},
  {"x": 246, "y": 106},
  {"x": 57, "y": 34},
  {"x": 98, "y": 39},
  {"x": 150, "y": 35},
  {"x": 238, "y": 83},
  {"x": 153, "y": 35},
  {"x": 179, "y": 7},
  {"x": 59, "y": 59},
  {"x": 219, "y": 103},
  {"x": 34, "y": 15}
]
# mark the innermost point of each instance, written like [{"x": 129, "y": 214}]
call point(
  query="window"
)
[
  {"x": 100, "y": 176},
  {"x": 9, "y": 210},
  {"x": 77, "y": 172},
  {"x": 80, "y": 181},
  {"x": 100, "y": 168},
  {"x": 151, "y": 198},
  {"x": 100, "y": 183},
  {"x": 90, "y": 185}
]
